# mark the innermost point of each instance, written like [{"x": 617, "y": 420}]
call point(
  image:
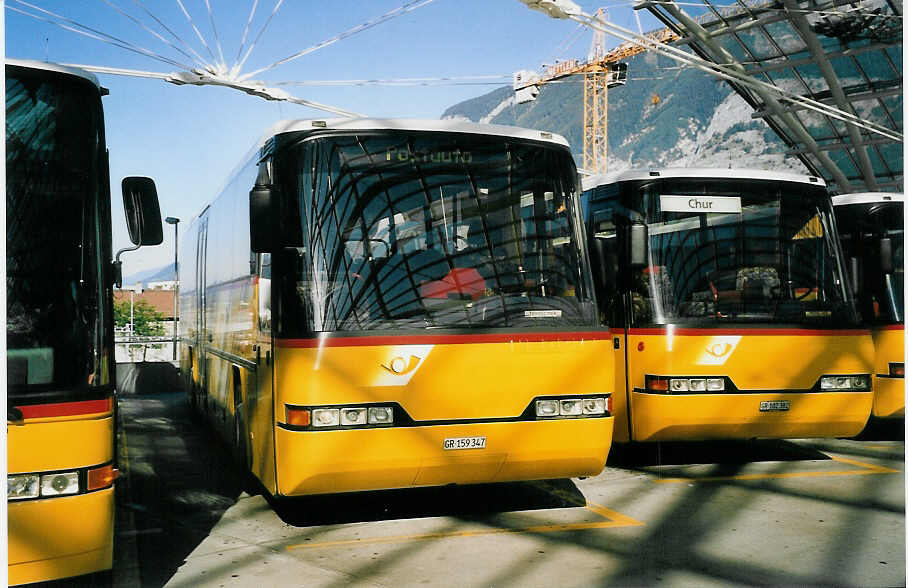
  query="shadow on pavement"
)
[
  {"x": 473, "y": 502},
  {"x": 634, "y": 455}
]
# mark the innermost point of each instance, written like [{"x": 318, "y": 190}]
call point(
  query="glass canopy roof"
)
[{"x": 843, "y": 55}]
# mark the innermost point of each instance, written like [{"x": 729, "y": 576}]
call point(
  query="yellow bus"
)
[
  {"x": 61, "y": 408},
  {"x": 375, "y": 304},
  {"x": 872, "y": 230},
  {"x": 729, "y": 305}
]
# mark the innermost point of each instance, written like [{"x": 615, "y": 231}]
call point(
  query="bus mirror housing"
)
[
  {"x": 263, "y": 226},
  {"x": 143, "y": 219},
  {"x": 143, "y": 215},
  {"x": 886, "y": 263},
  {"x": 637, "y": 242}
]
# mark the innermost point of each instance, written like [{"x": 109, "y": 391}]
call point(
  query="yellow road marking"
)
[
  {"x": 613, "y": 519},
  {"x": 867, "y": 468}
]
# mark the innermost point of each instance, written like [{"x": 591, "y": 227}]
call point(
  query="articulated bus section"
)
[
  {"x": 736, "y": 384},
  {"x": 889, "y": 371},
  {"x": 439, "y": 410}
]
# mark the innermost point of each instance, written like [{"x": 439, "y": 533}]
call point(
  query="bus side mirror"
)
[
  {"x": 886, "y": 263},
  {"x": 143, "y": 215},
  {"x": 263, "y": 225},
  {"x": 637, "y": 243}
]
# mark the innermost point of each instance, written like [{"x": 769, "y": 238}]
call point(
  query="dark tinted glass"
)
[
  {"x": 55, "y": 334},
  {"x": 409, "y": 230}
]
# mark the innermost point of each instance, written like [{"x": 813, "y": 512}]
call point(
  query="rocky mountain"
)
[{"x": 665, "y": 116}]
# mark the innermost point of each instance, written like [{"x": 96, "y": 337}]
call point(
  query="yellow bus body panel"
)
[
  {"x": 53, "y": 538},
  {"x": 371, "y": 459},
  {"x": 449, "y": 382},
  {"x": 888, "y": 393},
  {"x": 771, "y": 362}
]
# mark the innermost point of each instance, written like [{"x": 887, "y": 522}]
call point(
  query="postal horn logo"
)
[
  {"x": 719, "y": 349},
  {"x": 401, "y": 366}
]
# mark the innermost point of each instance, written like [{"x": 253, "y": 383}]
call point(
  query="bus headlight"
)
[
  {"x": 856, "y": 383},
  {"x": 549, "y": 408},
  {"x": 671, "y": 385},
  {"x": 60, "y": 484},
  {"x": 22, "y": 486},
  {"x": 381, "y": 415},
  {"x": 352, "y": 416},
  {"x": 325, "y": 417}
]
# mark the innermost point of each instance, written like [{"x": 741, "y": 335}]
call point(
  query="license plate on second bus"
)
[
  {"x": 775, "y": 406},
  {"x": 465, "y": 443}
]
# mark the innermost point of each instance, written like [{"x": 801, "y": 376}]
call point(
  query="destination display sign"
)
[{"x": 690, "y": 203}]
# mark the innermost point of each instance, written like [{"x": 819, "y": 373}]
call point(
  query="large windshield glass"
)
[
  {"x": 863, "y": 228},
  {"x": 54, "y": 334},
  {"x": 768, "y": 254},
  {"x": 418, "y": 230}
]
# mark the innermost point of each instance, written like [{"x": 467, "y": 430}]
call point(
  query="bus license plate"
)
[
  {"x": 465, "y": 443},
  {"x": 775, "y": 405}
]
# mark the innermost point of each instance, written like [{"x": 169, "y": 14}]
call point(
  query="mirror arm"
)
[{"x": 118, "y": 265}]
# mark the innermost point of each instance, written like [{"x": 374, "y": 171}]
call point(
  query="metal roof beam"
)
[
  {"x": 840, "y": 145},
  {"x": 786, "y": 63},
  {"x": 799, "y": 21},
  {"x": 825, "y": 96},
  {"x": 718, "y": 54}
]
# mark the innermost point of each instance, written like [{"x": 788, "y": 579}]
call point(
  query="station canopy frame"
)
[{"x": 847, "y": 55}]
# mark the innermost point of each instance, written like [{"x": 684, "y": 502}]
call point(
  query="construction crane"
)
[{"x": 602, "y": 70}]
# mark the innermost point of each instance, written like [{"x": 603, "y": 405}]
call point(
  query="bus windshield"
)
[
  {"x": 416, "y": 230},
  {"x": 770, "y": 258},
  {"x": 54, "y": 144},
  {"x": 861, "y": 227}
]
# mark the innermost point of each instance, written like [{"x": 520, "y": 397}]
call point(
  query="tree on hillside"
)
[{"x": 147, "y": 320}]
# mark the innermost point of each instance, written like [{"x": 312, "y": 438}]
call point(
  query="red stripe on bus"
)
[
  {"x": 775, "y": 332},
  {"x": 892, "y": 328},
  {"x": 58, "y": 409},
  {"x": 442, "y": 339}
]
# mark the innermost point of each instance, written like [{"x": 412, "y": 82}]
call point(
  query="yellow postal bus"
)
[
  {"x": 872, "y": 229},
  {"x": 59, "y": 334},
  {"x": 392, "y": 303},
  {"x": 729, "y": 305}
]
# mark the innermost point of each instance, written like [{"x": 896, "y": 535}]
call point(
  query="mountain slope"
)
[{"x": 665, "y": 116}]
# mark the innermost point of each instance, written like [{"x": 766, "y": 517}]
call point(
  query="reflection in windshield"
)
[
  {"x": 53, "y": 143},
  {"x": 420, "y": 231},
  {"x": 775, "y": 261}
]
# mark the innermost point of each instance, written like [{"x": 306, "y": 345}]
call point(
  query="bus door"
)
[
  {"x": 201, "y": 327},
  {"x": 260, "y": 405}
]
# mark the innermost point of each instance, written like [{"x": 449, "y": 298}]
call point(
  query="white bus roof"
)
[
  {"x": 867, "y": 198},
  {"x": 55, "y": 67},
  {"x": 409, "y": 124},
  {"x": 591, "y": 182}
]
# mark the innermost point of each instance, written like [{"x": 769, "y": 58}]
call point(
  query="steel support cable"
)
[
  {"x": 453, "y": 80},
  {"x": 196, "y": 29},
  {"x": 729, "y": 73},
  {"x": 239, "y": 51},
  {"x": 239, "y": 66},
  {"x": 197, "y": 79},
  {"x": 408, "y": 7},
  {"x": 76, "y": 27},
  {"x": 217, "y": 39},
  {"x": 198, "y": 58},
  {"x": 155, "y": 33}
]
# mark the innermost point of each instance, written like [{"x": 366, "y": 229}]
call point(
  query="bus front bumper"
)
[
  {"x": 318, "y": 462},
  {"x": 700, "y": 417},
  {"x": 60, "y": 537}
]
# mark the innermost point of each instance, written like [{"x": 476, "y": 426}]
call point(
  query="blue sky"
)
[{"x": 190, "y": 138}]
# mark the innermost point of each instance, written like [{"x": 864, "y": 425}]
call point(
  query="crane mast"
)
[{"x": 601, "y": 70}]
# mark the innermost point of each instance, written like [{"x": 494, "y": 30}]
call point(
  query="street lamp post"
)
[{"x": 172, "y": 220}]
